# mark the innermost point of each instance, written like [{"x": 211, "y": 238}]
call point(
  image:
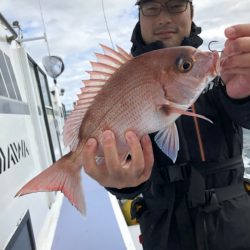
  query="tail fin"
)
[{"x": 64, "y": 176}]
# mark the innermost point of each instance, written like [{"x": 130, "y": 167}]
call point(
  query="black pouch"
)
[
  {"x": 153, "y": 227},
  {"x": 153, "y": 212}
]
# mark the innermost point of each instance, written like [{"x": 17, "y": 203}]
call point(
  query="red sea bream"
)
[{"x": 144, "y": 94}]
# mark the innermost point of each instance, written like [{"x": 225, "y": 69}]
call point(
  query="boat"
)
[{"x": 31, "y": 124}]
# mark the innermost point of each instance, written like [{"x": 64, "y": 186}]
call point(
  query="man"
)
[{"x": 199, "y": 202}]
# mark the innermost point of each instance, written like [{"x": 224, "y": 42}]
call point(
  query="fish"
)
[{"x": 145, "y": 94}]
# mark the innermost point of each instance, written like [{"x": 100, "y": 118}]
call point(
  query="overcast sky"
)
[{"x": 76, "y": 27}]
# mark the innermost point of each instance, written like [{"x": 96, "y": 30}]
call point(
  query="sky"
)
[{"x": 75, "y": 29}]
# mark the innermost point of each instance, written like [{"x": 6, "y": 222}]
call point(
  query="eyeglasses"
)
[{"x": 152, "y": 8}]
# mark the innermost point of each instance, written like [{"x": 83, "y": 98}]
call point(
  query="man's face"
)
[{"x": 169, "y": 28}]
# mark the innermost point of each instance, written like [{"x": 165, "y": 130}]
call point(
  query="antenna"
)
[
  {"x": 106, "y": 22},
  {"x": 44, "y": 27}
]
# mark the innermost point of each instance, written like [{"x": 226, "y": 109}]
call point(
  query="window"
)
[
  {"x": 23, "y": 237},
  {"x": 45, "y": 89},
  {"x": 8, "y": 83},
  {"x": 13, "y": 78},
  {"x": 3, "y": 89}
]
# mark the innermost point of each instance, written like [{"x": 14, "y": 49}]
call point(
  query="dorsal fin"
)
[
  {"x": 108, "y": 60},
  {"x": 106, "y": 65},
  {"x": 110, "y": 52},
  {"x": 99, "y": 75},
  {"x": 94, "y": 82},
  {"x": 102, "y": 67},
  {"x": 124, "y": 53}
]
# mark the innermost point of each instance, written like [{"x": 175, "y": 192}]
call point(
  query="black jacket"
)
[{"x": 194, "y": 205}]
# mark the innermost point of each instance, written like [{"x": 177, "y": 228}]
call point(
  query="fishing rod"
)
[{"x": 106, "y": 23}]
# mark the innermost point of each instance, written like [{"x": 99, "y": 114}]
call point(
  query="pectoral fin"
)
[
  {"x": 190, "y": 113},
  {"x": 167, "y": 140}
]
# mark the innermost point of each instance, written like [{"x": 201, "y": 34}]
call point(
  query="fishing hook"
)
[{"x": 213, "y": 50}]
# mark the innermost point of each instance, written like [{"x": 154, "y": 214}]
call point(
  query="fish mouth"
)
[
  {"x": 215, "y": 70},
  {"x": 214, "y": 61}
]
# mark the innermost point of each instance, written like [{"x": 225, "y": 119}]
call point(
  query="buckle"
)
[
  {"x": 211, "y": 201},
  {"x": 138, "y": 206},
  {"x": 177, "y": 172}
]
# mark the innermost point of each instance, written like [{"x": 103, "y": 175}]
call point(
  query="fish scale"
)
[
  {"x": 121, "y": 118},
  {"x": 111, "y": 96}
]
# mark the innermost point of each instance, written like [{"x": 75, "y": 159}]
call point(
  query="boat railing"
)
[{"x": 9, "y": 27}]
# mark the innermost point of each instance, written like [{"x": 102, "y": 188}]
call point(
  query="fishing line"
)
[
  {"x": 106, "y": 23},
  {"x": 44, "y": 27}
]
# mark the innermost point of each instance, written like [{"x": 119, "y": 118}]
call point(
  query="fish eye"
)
[{"x": 184, "y": 64}]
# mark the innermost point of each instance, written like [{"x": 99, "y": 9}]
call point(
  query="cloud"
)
[
  {"x": 75, "y": 28},
  {"x": 214, "y": 18}
]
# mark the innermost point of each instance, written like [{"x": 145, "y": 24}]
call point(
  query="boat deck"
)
[{"x": 97, "y": 230}]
